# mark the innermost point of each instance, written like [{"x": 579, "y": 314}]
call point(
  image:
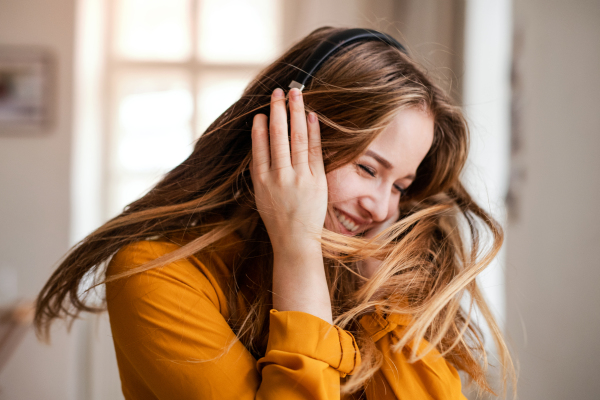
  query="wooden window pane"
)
[
  {"x": 154, "y": 111},
  {"x": 217, "y": 91},
  {"x": 152, "y": 125},
  {"x": 153, "y": 29},
  {"x": 239, "y": 31}
]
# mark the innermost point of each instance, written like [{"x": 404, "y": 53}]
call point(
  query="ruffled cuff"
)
[
  {"x": 377, "y": 326},
  {"x": 301, "y": 333}
]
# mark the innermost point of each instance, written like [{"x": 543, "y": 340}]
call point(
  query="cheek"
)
[{"x": 342, "y": 184}]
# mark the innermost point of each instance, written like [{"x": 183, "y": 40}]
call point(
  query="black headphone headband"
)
[{"x": 333, "y": 44}]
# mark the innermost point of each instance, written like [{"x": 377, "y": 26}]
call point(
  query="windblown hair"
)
[{"x": 431, "y": 256}]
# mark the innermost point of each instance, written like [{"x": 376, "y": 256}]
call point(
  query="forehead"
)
[{"x": 407, "y": 139}]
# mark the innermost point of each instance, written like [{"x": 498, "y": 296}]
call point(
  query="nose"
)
[{"x": 377, "y": 204}]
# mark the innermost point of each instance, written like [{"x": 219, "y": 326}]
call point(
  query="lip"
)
[{"x": 360, "y": 222}]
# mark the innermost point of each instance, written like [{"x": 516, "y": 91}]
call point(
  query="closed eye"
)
[
  {"x": 372, "y": 173},
  {"x": 367, "y": 169}
]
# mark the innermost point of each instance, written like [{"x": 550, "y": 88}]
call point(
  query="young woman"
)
[{"x": 301, "y": 255}]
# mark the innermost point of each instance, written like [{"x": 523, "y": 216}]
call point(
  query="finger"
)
[
  {"x": 261, "y": 159},
  {"x": 315, "y": 154},
  {"x": 299, "y": 130},
  {"x": 278, "y": 132}
]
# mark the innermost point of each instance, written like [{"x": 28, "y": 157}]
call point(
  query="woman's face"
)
[{"x": 366, "y": 193}]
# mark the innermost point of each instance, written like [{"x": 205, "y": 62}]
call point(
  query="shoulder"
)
[
  {"x": 191, "y": 278},
  {"x": 138, "y": 253}
]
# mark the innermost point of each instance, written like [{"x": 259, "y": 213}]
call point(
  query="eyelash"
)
[{"x": 370, "y": 172}]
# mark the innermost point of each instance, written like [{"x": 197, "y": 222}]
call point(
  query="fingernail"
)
[
  {"x": 295, "y": 94},
  {"x": 312, "y": 118},
  {"x": 278, "y": 93}
]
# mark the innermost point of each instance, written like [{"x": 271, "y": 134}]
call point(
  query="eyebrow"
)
[{"x": 385, "y": 163}]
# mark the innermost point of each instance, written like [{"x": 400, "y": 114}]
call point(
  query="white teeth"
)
[{"x": 351, "y": 226}]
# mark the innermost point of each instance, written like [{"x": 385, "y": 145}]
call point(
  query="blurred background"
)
[{"x": 98, "y": 98}]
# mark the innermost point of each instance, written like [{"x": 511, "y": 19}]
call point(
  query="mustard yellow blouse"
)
[{"x": 170, "y": 330}]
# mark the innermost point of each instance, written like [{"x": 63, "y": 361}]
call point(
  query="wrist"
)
[
  {"x": 296, "y": 244},
  {"x": 309, "y": 254}
]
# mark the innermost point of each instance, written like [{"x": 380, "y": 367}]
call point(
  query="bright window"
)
[{"x": 174, "y": 66}]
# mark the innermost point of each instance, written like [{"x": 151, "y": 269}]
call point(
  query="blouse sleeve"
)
[
  {"x": 170, "y": 336},
  {"x": 432, "y": 377}
]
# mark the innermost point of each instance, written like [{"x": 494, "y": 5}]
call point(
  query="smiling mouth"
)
[{"x": 348, "y": 224}]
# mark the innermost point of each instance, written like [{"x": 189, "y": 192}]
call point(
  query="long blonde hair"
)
[{"x": 431, "y": 256}]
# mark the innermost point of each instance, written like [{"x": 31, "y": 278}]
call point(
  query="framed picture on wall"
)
[{"x": 26, "y": 84}]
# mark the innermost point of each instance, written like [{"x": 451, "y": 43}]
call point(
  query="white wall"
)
[
  {"x": 34, "y": 201},
  {"x": 553, "y": 263}
]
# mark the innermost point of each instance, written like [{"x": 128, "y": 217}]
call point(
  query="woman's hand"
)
[
  {"x": 369, "y": 266},
  {"x": 290, "y": 186}
]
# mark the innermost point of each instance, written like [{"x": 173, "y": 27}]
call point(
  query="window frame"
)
[{"x": 195, "y": 68}]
